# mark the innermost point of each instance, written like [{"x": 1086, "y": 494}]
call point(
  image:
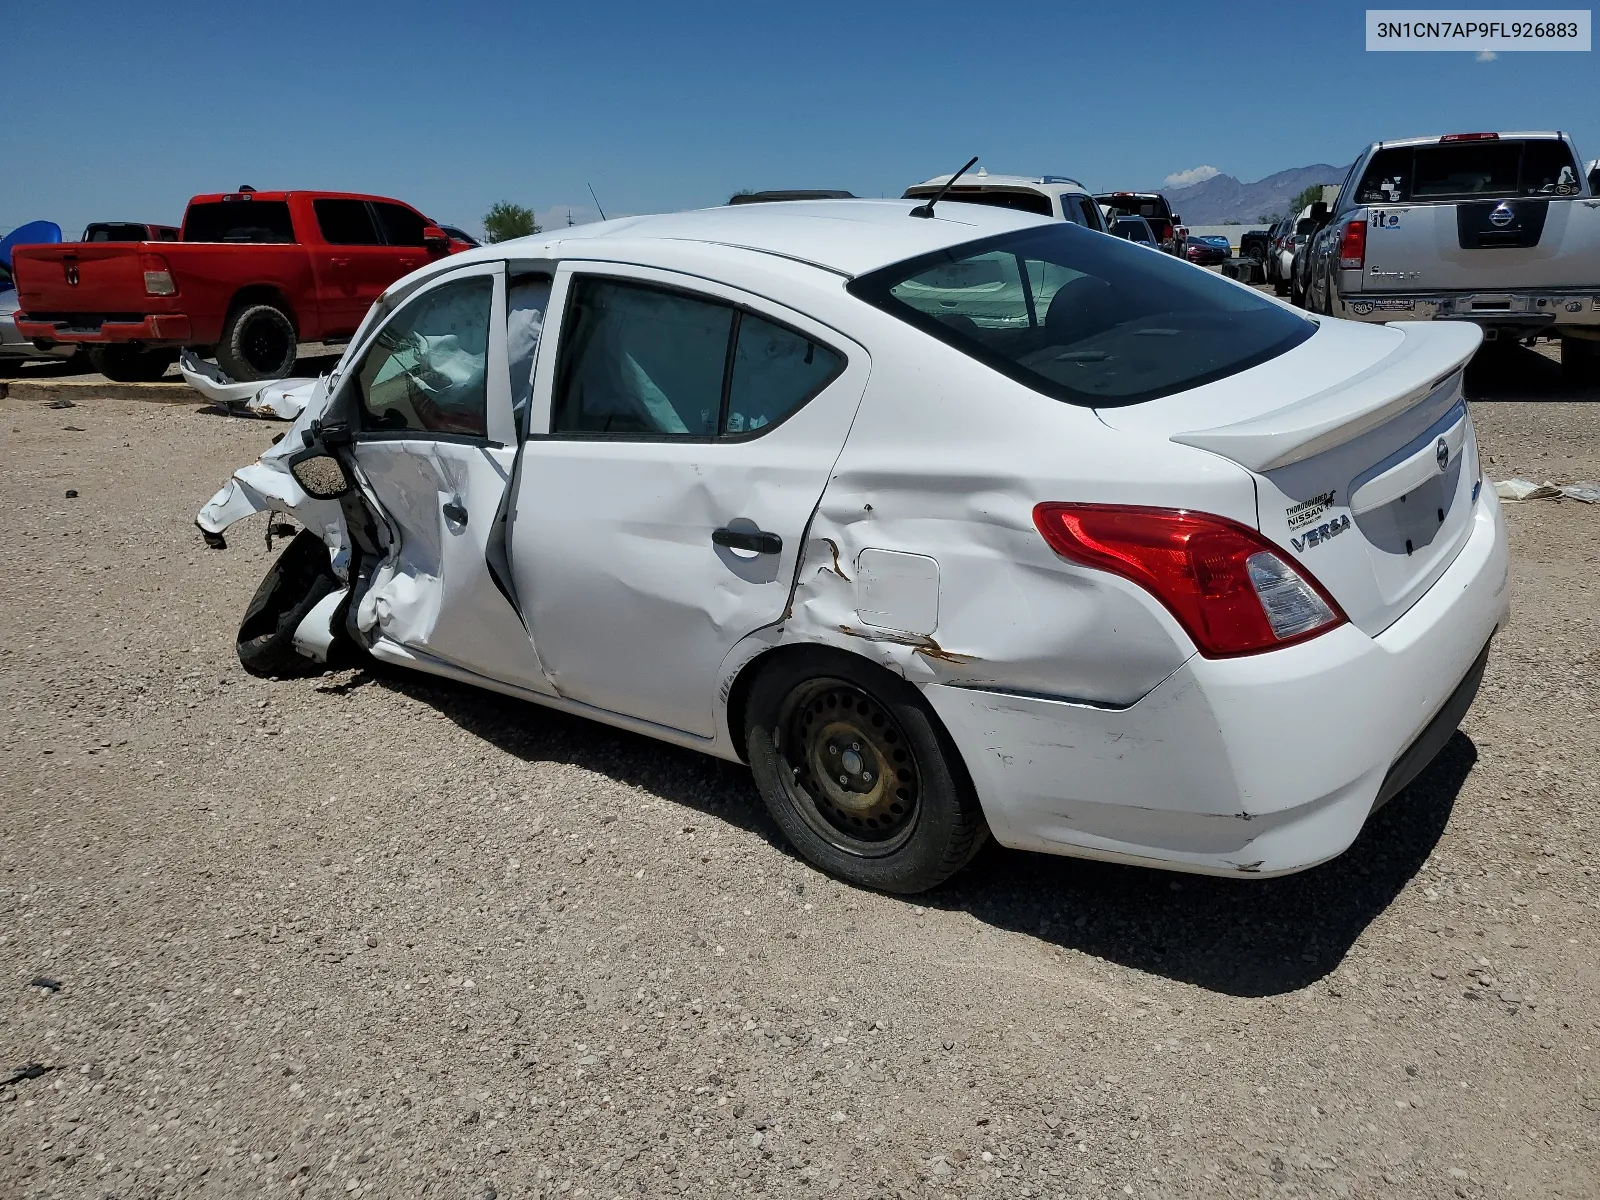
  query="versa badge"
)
[{"x": 1315, "y": 537}]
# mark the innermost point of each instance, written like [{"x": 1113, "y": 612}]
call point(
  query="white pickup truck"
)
[{"x": 1501, "y": 229}]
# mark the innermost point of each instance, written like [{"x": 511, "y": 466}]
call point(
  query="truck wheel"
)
[
  {"x": 291, "y": 588},
  {"x": 1580, "y": 360},
  {"x": 858, "y": 773},
  {"x": 258, "y": 342},
  {"x": 124, "y": 364}
]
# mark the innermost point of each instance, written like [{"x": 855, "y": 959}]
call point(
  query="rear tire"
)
[
  {"x": 124, "y": 364},
  {"x": 1580, "y": 360},
  {"x": 906, "y": 818},
  {"x": 258, "y": 343},
  {"x": 291, "y": 588}
]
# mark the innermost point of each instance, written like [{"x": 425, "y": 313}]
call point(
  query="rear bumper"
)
[
  {"x": 1261, "y": 765},
  {"x": 1534, "y": 311},
  {"x": 171, "y": 329}
]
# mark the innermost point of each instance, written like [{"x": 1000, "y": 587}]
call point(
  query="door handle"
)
[
  {"x": 454, "y": 512},
  {"x": 753, "y": 540}
]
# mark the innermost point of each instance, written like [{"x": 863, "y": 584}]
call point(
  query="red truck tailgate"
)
[{"x": 81, "y": 277}]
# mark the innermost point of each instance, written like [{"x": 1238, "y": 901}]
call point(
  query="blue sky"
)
[{"x": 119, "y": 112}]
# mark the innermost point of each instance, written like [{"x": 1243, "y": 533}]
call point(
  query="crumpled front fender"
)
[{"x": 268, "y": 486}]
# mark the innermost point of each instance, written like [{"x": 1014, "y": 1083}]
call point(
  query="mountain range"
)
[{"x": 1222, "y": 199}]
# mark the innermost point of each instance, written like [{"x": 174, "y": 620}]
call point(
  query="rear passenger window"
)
[
  {"x": 645, "y": 361},
  {"x": 345, "y": 222},
  {"x": 401, "y": 226},
  {"x": 775, "y": 371}
]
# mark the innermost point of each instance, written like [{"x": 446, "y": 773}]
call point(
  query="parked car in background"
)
[
  {"x": 128, "y": 231},
  {"x": 15, "y": 349},
  {"x": 946, "y": 527},
  {"x": 254, "y": 274},
  {"x": 790, "y": 194},
  {"x": 1253, "y": 244},
  {"x": 1134, "y": 229},
  {"x": 1500, "y": 229},
  {"x": 1153, "y": 207},
  {"x": 1280, "y": 254},
  {"x": 1055, "y": 196},
  {"x": 1208, "y": 249}
]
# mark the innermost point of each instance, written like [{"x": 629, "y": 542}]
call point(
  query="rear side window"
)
[
  {"x": 1085, "y": 319},
  {"x": 1088, "y": 214},
  {"x": 650, "y": 362},
  {"x": 1464, "y": 170},
  {"x": 345, "y": 222},
  {"x": 238, "y": 221},
  {"x": 401, "y": 226}
]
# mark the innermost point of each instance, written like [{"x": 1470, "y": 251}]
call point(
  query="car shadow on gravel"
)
[
  {"x": 1242, "y": 937},
  {"x": 1518, "y": 373}
]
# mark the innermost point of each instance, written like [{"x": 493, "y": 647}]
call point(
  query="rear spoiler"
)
[{"x": 1430, "y": 354}]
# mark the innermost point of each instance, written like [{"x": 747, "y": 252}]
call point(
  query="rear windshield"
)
[
  {"x": 238, "y": 221},
  {"x": 1148, "y": 207},
  {"x": 1028, "y": 202},
  {"x": 111, "y": 231},
  {"x": 1465, "y": 170},
  {"x": 1082, "y": 317}
]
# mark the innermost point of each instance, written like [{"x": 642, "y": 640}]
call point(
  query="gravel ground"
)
[{"x": 371, "y": 934}]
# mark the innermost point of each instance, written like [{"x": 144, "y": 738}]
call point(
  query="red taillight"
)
[
  {"x": 157, "y": 276},
  {"x": 1353, "y": 246},
  {"x": 1470, "y": 137},
  {"x": 1228, "y": 587}
]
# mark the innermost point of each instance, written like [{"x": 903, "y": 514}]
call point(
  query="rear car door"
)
[
  {"x": 434, "y": 436},
  {"x": 688, "y": 435}
]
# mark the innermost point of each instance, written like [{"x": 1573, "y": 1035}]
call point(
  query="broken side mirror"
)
[
  {"x": 435, "y": 239},
  {"x": 320, "y": 474}
]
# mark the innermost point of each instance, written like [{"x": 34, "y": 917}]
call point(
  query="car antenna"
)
[
  {"x": 925, "y": 209},
  {"x": 596, "y": 200}
]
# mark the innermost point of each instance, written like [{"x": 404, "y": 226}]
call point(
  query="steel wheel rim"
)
[{"x": 849, "y": 768}]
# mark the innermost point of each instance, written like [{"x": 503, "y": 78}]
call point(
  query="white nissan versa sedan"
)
[{"x": 948, "y": 525}]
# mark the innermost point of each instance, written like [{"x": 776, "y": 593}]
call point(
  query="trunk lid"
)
[
  {"x": 1362, "y": 452},
  {"x": 82, "y": 277}
]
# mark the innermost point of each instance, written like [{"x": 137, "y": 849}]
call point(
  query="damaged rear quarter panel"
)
[{"x": 947, "y": 459}]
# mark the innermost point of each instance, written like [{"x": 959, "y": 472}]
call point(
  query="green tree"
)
[
  {"x": 1308, "y": 195},
  {"x": 504, "y": 221}
]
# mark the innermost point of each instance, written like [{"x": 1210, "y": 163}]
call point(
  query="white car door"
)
[
  {"x": 691, "y": 429},
  {"x": 434, "y": 435}
]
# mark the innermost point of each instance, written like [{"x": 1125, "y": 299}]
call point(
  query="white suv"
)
[{"x": 1054, "y": 196}]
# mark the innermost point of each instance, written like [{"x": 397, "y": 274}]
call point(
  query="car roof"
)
[
  {"x": 1047, "y": 184},
  {"x": 846, "y": 237},
  {"x": 1434, "y": 139},
  {"x": 215, "y": 197}
]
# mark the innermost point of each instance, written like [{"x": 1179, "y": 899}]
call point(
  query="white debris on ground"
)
[{"x": 1585, "y": 490}]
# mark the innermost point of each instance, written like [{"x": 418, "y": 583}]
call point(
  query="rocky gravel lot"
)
[{"x": 374, "y": 935}]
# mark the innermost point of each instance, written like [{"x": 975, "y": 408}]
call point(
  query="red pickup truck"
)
[{"x": 252, "y": 274}]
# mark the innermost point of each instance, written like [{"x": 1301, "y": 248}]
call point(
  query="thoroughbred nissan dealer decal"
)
[{"x": 1487, "y": 32}]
